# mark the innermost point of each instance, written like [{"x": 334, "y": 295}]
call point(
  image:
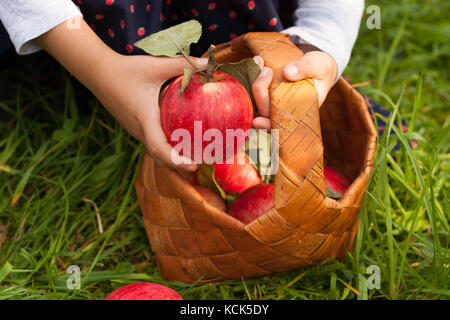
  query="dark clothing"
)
[{"x": 122, "y": 23}]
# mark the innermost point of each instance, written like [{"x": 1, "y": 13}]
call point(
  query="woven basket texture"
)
[{"x": 195, "y": 242}]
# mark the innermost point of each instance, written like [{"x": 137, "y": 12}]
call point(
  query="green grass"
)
[{"x": 67, "y": 168}]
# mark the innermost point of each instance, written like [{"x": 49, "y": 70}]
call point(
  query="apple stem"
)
[
  {"x": 211, "y": 62},
  {"x": 182, "y": 52}
]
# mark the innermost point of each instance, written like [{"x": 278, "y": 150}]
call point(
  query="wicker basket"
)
[{"x": 194, "y": 241}]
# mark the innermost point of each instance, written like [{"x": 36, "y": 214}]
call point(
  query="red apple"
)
[
  {"x": 238, "y": 176},
  {"x": 144, "y": 291},
  {"x": 221, "y": 103},
  {"x": 335, "y": 180},
  {"x": 211, "y": 197},
  {"x": 253, "y": 202}
]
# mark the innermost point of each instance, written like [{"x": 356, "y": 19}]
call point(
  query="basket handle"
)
[{"x": 294, "y": 110}]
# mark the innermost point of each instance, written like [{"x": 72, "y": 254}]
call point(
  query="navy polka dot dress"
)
[{"x": 120, "y": 23}]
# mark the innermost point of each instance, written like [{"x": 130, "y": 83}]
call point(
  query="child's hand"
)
[
  {"x": 317, "y": 65},
  {"x": 260, "y": 90},
  {"x": 131, "y": 95}
]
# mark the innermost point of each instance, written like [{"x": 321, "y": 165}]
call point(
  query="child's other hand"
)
[
  {"x": 317, "y": 65},
  {"x": 260, "y": 90}
]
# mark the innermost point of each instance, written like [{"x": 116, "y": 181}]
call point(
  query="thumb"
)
[
  {"x": 316, "y": 65},
  {"x": 172, "y": 67},
  {"x": 300, "y": 69}
]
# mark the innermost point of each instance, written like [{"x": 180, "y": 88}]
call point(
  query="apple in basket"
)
[
  {"x": 237, "y": 176},
  {"x": 144, "y": 291},
  {"x": 253, "y": 202},
  {"x": 213, "y": 110},
  {"x": 211, "y": 197},
  {"x": 335, "y": 180}
]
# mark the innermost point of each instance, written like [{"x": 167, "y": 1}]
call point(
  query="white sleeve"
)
[
  {"x": 330, "y": 25},
  {"x": 25, "y": 20}
]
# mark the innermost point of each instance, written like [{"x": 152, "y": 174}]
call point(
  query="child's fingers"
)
[
  {"x": 172, "y": 67},
  {"x": 167, "y": 156},
  {"x": 300, "y": 69},
  {"x": 315, "y": 65},
  {"x": 261, "y": 123},
  {"x": 260, "y": 90},
  {"x": 200, "y": 62},
  {"x": 160, "y": 149},
  {"x": 259, "y": 61}
]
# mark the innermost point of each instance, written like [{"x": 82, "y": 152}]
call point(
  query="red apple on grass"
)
[
  {"x": 219, "y": 103},
  {"x": 238, "y": 176},
  {"x": 335, "y": 180},
  {"x": 253, "y": 202},
  {"x": 144, "y": 291},
  {"x": 211, "y": 197}
]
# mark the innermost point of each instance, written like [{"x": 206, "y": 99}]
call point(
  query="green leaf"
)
[
  {"x": 205, "y": 177},
  {"x": 59, "y": 135},
  {"x": 245, "y": 71},
  {"x": 187, "y": 76},
  {"x": 67, "y": 132},
  {"x": 258, "y": 148},
  {"x": 5, "y": 270},
  {"x": 333, "y": 194},
  {"x": 102, "y": 171},
  {"x": 173, "y": 41},
  {"x": 68, "y": 126}
]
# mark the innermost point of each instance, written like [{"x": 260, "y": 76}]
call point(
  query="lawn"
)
[{"x": 67, "y": 171}]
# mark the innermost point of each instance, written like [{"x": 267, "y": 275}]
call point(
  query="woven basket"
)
[{"x": 193, "y": 241}]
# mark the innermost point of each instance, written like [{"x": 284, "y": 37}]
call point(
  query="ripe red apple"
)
[
  {"x": 335, "y": 180},
  {"x": 221, "y": 103},
  {"x": 144, "y": 291},
  {"x": 253, "y": 202},
  {"x": 211, "y": 197},
  {"x": 238, "y": 176}
]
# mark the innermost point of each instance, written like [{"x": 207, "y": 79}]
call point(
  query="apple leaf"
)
[
  {"x": 333, "y": 194},
  {"x": 172, "y": 42},
  {"x": 6, "y": 269},
  {"x": 258, "y": 148},
  {"x": 205, "y": 177},
  {"x": 245, "y": 71},
  {"x": 187, "y": 76}
]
